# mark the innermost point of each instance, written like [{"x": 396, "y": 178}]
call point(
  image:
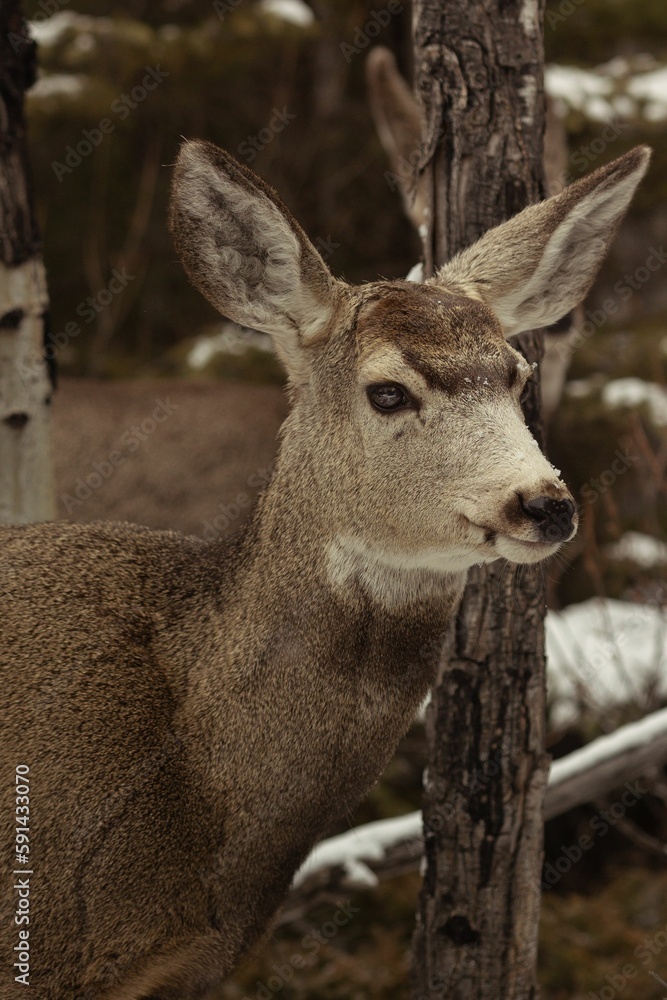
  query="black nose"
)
[{"x": 554, "y": 517}]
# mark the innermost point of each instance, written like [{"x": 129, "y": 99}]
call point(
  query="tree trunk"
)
[
  {"x": 478, "y": 74},
  {"x": 26, "y": 475}
]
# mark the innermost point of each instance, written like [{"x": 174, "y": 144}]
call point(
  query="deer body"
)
[
  {"x": 195, "y": 715},
  {"x": 205, "y": 768}
]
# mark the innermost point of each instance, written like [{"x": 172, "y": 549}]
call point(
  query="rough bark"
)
[
  {"x": 478, "y": 74},
  {"x": 479, "y": 79},
  {"x": 26, "y": 476}
]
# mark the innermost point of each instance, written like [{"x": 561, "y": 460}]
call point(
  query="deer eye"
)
[
  {"x": 525, "y": 391},
  {"x": 386, "y": 398}
]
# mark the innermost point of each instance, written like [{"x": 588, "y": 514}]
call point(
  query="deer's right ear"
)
[{"x": 242, "y": 249}]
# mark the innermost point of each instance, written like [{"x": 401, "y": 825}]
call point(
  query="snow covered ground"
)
[
  {"x": 59, "y": 85},
  {"x": 603, "y": 653}
]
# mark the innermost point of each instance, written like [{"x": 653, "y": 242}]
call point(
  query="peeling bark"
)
[
  {"x": 26, "y": 475},
  {"x": 478, "y": 74}
]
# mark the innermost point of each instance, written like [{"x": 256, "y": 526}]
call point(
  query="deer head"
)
[{"x": 406, "y": 431}]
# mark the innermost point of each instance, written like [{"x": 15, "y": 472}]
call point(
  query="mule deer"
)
[
  {"x": 398, "y": 121},
  {"x": 193, "y": 716}
]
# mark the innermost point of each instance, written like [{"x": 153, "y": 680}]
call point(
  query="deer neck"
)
[
  {"x": 310, "y": 677},
  {"x": 328, "y": 609}
]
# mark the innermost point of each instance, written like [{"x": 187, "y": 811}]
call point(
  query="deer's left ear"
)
[{"x": 537, "y": 266}]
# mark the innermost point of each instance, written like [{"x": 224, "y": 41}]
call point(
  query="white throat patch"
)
[{"x": 394, "y": 578}]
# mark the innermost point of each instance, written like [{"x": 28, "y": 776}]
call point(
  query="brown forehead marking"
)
[{"x": 454, "y": 342}]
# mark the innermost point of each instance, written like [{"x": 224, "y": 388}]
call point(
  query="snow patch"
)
[
  {"x": 85, "y": 42},
  {"x": 580, "y": 89},
  {"x": 603, "y": 653},
  {"x": 293, "y": 11},
  {"x": 629, "y": 737},
  {"x": 643, "y": 550},
  {"x": 651, "y": 88},
  {"x": 416, "y": 273},
  {"x": 232, "y": 339},
  {"x": 58, "y": 85},
  {"x": 635, "y": 392},
  {"x": 364, "y": 843},
  {"x": 52, "y": 30},
  {"x": 580, "y": 388},
  {"x": 628, "y": 88}
]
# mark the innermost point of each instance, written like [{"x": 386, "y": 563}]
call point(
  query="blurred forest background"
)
[
  {"x": 227, "y": 76},
  {"x": 281, "y": 85}
]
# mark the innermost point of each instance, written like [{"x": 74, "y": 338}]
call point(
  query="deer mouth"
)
[
  {"x": 530, "y": 544},
  {"x": 520, "y": 550},
  {"x": 513, "y": 549}
]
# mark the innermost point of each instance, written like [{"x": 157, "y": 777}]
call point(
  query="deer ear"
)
[
  {"x": 537, "y": 266},
  {"x": 242, "y": 249},
  {"x": 398, "y": 121}
]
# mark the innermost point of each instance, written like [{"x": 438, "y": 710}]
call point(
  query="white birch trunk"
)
[
  {"x": 26, "y": 472},
  {"x": 26, "y": 469}
]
